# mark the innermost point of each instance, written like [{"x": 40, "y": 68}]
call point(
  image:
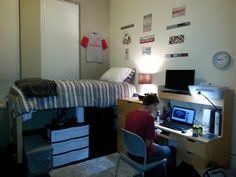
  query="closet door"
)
[{"x": 59, "y": 39}]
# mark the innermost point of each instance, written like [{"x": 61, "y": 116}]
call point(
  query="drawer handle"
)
[
  {"x": 189, "y": 152},
  {"x": 193, "y": 141}
]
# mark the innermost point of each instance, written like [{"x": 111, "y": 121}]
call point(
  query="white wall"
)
[
  {"x": 9, "y": 42},
  {"x": 95, "y": 16},
  {"x": 9, "y": 58},
  {"x": 212, "y": 29}
]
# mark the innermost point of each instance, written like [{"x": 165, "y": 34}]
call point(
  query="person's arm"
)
[{"x": 149, "y": 143}]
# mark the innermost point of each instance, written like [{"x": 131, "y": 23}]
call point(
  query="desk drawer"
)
[
  {"x": 127, "y": 106},
  {"x": 191, "y": 146},
  {"x": 193, "y": 159}
]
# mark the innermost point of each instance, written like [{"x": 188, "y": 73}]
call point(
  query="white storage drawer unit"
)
[
  {"x": 72, "y": 156},
  {"x": 68, "y": 133},
  {"x": 69, "y": 144}
]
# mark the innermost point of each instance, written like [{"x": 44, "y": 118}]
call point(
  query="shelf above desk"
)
[{"x": 188, "y": 98}]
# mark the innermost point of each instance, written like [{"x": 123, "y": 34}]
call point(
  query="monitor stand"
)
[{"x": 184, "y": 92}]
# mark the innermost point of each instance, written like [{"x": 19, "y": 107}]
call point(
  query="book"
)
[{"x": 209, "y": 136}]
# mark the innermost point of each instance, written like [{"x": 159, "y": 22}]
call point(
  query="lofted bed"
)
[{"x": 27, "y": 98}]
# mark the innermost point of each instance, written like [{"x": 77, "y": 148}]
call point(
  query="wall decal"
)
[
  {"x": 147, "y": 23},
  {"x": 127, "y": 26},
  {"x": 178, "y": 11},
  {"x": 178, "y": 39},
  {"x": 175, "y": 55},
  {"x": 126, "y": 38},
  {"x": 127, "y": 54},
  {"x": 178, "y": 25},
  {"x": 146, "y": 51},
  {"x": 147, "y": 39}
]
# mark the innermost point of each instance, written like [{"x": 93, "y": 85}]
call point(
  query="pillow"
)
[{"x": 119, "y": 74}]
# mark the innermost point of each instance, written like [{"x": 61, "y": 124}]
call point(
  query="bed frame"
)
[{"x": 79, "y": 93}]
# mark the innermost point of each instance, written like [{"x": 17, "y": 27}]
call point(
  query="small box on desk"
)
[{"x": 38, "y": 154}]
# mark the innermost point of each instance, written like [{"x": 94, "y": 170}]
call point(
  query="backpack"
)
[{"x": 214, "y": 171}]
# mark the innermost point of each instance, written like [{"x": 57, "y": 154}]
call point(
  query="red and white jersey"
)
[{"x": 95, "y": 45}]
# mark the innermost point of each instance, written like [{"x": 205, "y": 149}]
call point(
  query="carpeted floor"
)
[{"x": 100, "y": 167}]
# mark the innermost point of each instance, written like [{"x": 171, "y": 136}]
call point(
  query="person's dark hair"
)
[{"x": 150, "y": 99}]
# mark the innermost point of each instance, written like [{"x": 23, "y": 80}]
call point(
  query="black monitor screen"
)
[{"x": 179, "y": 79}]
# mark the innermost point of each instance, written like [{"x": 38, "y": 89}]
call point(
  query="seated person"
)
[{"x": 141, "y": 122}]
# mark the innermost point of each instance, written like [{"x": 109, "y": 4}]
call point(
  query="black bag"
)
[
  {"x": 214, "y": 171},
  {"x": 186, "y": 170}
]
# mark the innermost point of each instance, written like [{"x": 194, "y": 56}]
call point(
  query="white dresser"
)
[{"x": 69, "y": 144}]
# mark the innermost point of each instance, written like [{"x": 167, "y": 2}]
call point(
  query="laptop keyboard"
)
[{"x": 173, "y": 126}]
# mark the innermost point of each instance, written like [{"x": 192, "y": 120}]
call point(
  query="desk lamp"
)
[{"x": 144, "y": 78}]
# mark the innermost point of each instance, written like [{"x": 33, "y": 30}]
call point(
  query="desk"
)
[
  {"x": 196, "y": 151},
  {"x": 193, "y": 150}
]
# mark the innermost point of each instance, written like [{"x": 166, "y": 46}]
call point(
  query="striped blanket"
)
[{"x": 73, "y": 93}]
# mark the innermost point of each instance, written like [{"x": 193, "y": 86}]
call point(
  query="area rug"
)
[{"x": 99, "y": 167}]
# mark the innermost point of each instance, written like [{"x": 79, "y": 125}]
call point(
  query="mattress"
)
[{"x": 73, "y": 93}]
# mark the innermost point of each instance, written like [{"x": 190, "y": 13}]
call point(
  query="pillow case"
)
[{"x": 119, "y": 74}]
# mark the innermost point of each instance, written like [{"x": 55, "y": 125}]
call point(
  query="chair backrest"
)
[{"x": 134, "y": 144}]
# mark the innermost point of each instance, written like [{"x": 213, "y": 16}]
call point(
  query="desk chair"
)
[{"x": 135, "y": 145}]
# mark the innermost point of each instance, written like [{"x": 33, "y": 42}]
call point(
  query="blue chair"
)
[{"x": 135, "y": 145}]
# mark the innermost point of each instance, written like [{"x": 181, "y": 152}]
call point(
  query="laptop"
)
[{"x": 181, "y": 118}]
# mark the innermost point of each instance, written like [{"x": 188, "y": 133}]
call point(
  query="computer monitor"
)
[
  {"x": 179, "y": 80},
  {"x": 183, "y": 115}
]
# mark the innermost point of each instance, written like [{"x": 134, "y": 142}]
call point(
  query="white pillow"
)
[{"x": 117, "y": 74}]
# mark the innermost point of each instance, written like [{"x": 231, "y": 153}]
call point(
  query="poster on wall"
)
[
  {"x": 127, "y": 26},
  {"x": 147, "y": 39},
  {"x": 178, "y": 11},
  {"x": 147, "y": 23},
  {"x": 126, "y": 38},
  {"x": 179, "y": 25},
  {"x": 146, "y": 51},
  {"x": 126, "y": 53},
  {"x": 177, "y": 39},
  {"x": 176, "y": 55}
]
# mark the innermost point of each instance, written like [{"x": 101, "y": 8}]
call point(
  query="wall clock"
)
[{"x": 221, "y": 59}]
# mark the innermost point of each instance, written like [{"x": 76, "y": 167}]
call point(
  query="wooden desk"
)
[
  {"x": 193, "y": 150},
  {"x": 196, "y": 151}
]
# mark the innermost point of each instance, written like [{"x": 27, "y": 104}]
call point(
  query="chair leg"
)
[
  {"x": 117, "y": 166},
  {"x": 164, "y": 168},
  {"x": 142, "y": 173}
]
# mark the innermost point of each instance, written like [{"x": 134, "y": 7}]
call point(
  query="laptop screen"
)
[{"x": 183, "y": 115}]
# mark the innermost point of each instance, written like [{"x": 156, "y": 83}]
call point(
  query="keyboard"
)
[{"x": 173, "y": 126}]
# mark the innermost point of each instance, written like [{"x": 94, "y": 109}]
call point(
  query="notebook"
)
[{"x": 181, "y": 118}]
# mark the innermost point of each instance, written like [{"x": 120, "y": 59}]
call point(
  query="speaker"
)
[{"x": 212, "y": 121}]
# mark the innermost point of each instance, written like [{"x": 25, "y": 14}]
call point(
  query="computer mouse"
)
[{"x": 183, "y": 131}]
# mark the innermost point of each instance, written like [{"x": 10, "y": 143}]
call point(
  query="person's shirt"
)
[{"x": 142, "y": 124}]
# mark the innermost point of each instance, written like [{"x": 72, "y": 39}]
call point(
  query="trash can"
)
[{"x": 38, "y": 155}]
